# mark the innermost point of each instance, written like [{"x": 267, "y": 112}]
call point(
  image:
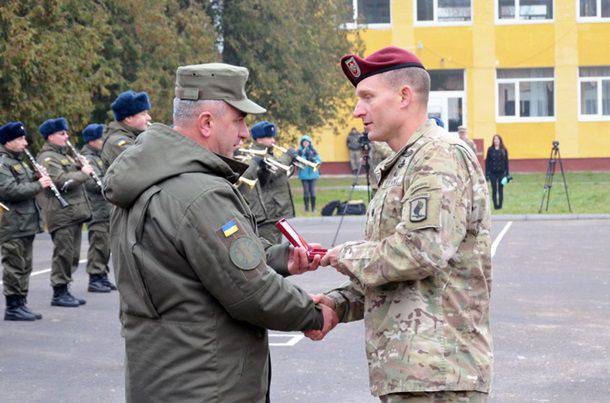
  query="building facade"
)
[{"x": 533, "y": 71}]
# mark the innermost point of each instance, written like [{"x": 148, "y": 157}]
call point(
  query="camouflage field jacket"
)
[{"x": 422, "y": 278}]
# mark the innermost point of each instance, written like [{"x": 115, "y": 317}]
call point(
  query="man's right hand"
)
[
  {"x": 86, "y": 169},
  {"x": 330, "y": 317},
  {"x": 45, "y": 181}
]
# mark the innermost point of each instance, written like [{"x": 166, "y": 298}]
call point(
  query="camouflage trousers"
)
[
  {"x": 270, "y": 233},
  {"x": 17, "y": 265},
  {"x": 470, "y": 396},
  {"x": 98, "y": 254},
  {"x": 66, "y": 250}
]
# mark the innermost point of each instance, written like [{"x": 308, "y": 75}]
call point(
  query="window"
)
[
  {"x": 594, "y": 86},
  {"x": 448, "y": 12},
  {"x": 525, "y": 10},
  {"x": 525, "y": 94},
  {"x": 446, "y": 80},
  {"x": 591, "y": 10},
  {"x": 368, "y": 12}
]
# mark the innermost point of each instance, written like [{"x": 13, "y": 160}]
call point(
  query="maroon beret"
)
[{"x": 390, "y": 58}]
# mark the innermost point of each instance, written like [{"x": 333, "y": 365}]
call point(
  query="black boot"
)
[
  {"x": 79, "y": 300},
  {"x": 306, "y": 200},
  {"x": 61, "y": 297},
  {"x": 107, "y": 282},
  {"x": 24, "y": 307},
  {"x": 13, "y": 309},
  {"x": 96, "y": 284},
  {"x": 313, "y": 203}
]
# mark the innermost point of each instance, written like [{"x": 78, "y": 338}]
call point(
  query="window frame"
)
[
  {"x": 435, "y": 22},
  {"x": 597, "y": 18},
  {"x": 517, "y": 118},
  {"x": 517, "y": 19},
  {"x": 354, "y": 25},
  {"x": 599, "y": 116}
]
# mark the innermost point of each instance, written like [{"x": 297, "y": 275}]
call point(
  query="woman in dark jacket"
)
[{"x": 496, "y": 168}]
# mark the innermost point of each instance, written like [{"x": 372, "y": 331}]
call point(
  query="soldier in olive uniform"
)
[
  {"x": 421, "y": 279},
  {"x": 131, "y": 113},
  {"x": 21, "y": 222},
  {"x": 355, "y": 149},
  {"x": 64, "y": 224},
  {"x": 271, "y": 198},
  {"x": 99, "y": 244},
  {"x": 196, "y": 287}
]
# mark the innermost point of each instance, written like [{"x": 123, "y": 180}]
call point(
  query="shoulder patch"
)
[
  {"x": 17, "y": 168},
  {"x": 47, "y": 159},
  {"x": 418, "y": 209},
  {"x": 245, "y": 253},
  {"x": 121, "y": 142}
]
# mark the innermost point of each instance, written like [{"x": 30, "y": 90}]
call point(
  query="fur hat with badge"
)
[
  {"x": 11, "y": 131},
  {"x": 92, "y": 132},
  {"x": 51, "y": 126},
  {"x": 263, "y": 129},
  {"x": 130, "y": 103}
]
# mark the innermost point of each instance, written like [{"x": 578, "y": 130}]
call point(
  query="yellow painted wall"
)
[{"x": 483, "y": 46}]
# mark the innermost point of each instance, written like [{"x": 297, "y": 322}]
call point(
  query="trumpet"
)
[
  {"x": 300, "y": 162},
  {"x": 248, "y": 182},
  {"x": 2, "y": 205},
  {"x": 84, "y": 161},
  {"x": 253, "y": 153},
  {"x": 273, "y": 165}
]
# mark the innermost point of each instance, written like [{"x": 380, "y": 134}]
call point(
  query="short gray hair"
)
[
  {"x": 414, "y": 77},
  {"x": 185, "y": 111}
]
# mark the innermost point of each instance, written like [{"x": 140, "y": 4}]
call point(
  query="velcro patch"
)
[
  {"x": 418, "y": 209},
  {"x": 245, "y": 253}
]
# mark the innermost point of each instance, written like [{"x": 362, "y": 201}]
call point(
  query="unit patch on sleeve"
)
[
  {"x": 418, "y": 209},
  {"x": 245, "y": 253}
]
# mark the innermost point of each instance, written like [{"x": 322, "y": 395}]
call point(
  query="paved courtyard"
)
[{"x": 550, "y": 314}]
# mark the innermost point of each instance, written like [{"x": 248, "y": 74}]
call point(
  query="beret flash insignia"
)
[{"x": 353, "y": 67}]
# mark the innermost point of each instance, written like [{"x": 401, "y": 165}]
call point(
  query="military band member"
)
[
  {"x": 131, "y": 114},
  {"x": 64, "y": 224},
  {"x": 99, "y": 243},
  {"x": 421, "y": 278},
  {"x": 196, "y": 287},
  {"x": 20, "y": 223},
  {"x": 271, "y": 198}
]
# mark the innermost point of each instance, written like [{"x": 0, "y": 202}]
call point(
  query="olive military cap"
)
[{"x": 216, "y": 81}]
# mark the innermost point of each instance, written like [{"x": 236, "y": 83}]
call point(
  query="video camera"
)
[{"x": 364, "y": 141}]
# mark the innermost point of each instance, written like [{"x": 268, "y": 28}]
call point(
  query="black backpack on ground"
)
[{"x": 351, "y": 207}]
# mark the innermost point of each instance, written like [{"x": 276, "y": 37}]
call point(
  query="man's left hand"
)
[
  {"x": 298, "y": 263},
  {"x": 331, "y": 259}
]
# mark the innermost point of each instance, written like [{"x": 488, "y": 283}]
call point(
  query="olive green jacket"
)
[
  {"x": 271, "y": 198},
  {"x": 117, "y": 138},
  {"x": 196, "y": 291},
  {"x": 18, "y": 188},
  {"x": 66, "y": 175},
  {"x": 100, "y": 208}
]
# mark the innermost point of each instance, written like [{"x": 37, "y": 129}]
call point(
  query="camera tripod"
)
[
  {"x": 550, "y": 173},
  {"x": 364, "y": 165}
]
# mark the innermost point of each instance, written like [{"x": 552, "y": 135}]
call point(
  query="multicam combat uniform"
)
[
  {"x": 422, "y": 278},
  {"x": 271, "y": 198},
  {"x": 64, "y": 224},
  {"x": 117, "y": 138},
  {"x": 99, "y": 244}
]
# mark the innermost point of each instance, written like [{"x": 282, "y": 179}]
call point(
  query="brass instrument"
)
[
  {"x": 272, "y": 164},
  {"x": 85, "y": 161},
  {"x": 251, "y": 152},
  {"x": 299, "y": 161},
  {"x": 42, "y": 171},
  {"x": 248, "y": 182},
  {"x": 2, "y": 205}
]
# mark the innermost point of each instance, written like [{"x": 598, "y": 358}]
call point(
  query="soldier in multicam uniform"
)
[{"x": 421, "y": 279}]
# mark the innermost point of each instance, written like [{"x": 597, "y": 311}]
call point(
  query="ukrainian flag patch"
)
[{"x": 229, "y": 228}]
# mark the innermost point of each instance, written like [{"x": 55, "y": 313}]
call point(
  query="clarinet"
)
[
  {"x": 42, "y": 171},
  {"x": 83, "y": 160}
]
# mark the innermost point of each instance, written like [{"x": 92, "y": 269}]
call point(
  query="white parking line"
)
[
  {"x": 292, "y": 339},
  {"x": 35, "y": 273},
  {"x": 496, "y": 242}
]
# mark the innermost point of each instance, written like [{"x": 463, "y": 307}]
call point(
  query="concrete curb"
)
[{"x": 504, "y": 217}]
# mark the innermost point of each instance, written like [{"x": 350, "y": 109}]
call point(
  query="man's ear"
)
[
  {"x": 406, "y": 96},
  {"x": 204, "y": 124}
]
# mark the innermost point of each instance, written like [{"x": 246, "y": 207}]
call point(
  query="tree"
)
[{"x": 292, "y": 49}]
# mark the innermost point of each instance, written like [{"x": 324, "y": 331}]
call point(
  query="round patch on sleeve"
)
[{"x": 245, "y": 253}]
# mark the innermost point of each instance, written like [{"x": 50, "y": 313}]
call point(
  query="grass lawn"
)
[{"x": 589, "y": 193}]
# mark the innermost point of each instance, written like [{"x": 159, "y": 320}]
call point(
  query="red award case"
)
[{"x": 297, "y": 240}]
